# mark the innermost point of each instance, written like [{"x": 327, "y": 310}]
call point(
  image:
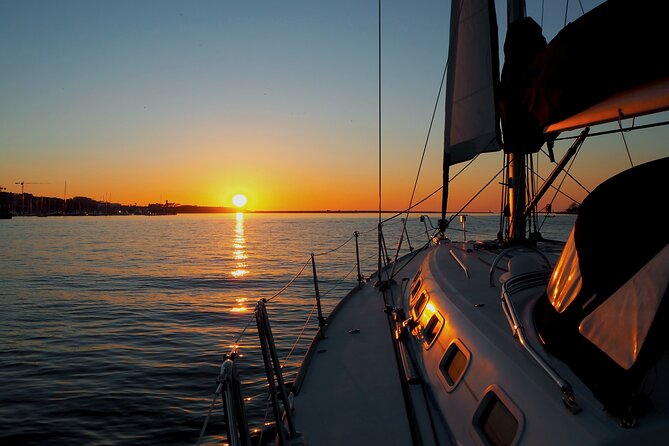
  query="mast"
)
[{"x": 516, "y": 165}]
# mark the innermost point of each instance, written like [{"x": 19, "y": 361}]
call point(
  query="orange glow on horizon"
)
[{"x": 327, "y": 187}]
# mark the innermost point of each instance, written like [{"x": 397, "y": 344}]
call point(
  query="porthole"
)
[
  {"x": 415, "y": 289},
  {"x": 419, "y": 305},
  {"x": 497, "y": 420},
  {"x": 454, "y": 364},
  {"x": 432, "y": 327}
]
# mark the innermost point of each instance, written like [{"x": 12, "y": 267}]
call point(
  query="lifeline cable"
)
[{"x": 335, "y": 249}]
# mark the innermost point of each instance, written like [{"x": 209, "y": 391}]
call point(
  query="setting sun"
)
[{"x": 239, "y": 200}]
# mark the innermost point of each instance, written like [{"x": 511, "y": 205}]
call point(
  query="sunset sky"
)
[{"x": 196, "y": 101}]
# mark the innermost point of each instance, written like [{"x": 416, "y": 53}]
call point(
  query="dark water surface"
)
[{"x": 113, "y": 329}]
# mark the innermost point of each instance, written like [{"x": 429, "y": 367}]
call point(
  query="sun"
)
[{"x": 239, "y": 200}]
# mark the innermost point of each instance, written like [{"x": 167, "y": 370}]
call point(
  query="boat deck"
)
[{"x": 350, "y": 396}]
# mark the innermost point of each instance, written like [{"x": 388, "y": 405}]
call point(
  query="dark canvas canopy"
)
[
  {"x": 616, "y": 48},
  {"x": 606, "y": 312}
]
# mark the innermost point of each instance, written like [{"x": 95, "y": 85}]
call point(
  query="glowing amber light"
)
[
  {"x": 239, "y": 200},
  {"x": 427, "y": 314}
]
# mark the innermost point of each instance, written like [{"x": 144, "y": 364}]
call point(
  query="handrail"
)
[
  {"x": 229, "y": 388},
  {"x": 274, "y": 374},
  {"x": 321, "y": 319},
  {"x": 357, "y": 258},
  {"x": 506, "y": 251},
  {"x": 237, "y": 426},
  {"x": 462, "y": 265},
  {"x": 518, "y": 331}
]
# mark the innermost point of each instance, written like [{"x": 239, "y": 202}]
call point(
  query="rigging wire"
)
[
  {"x": 206, "y": 420},
  {"x": 414, "y": 254},
  {"x": 250, "y": 319},
  {"x": 564, "y": 193},
  {"x": 503, "y": 202},
  {"x": 542, "y": 13},
  {"x": 248, "y": 323},
  {"x": 620, "y": 126},
  {"x": 422, "y": 157},
  {"x": 427, "y": 140},
  {"x": 427, "y": 137},
  {"x": 573, "y": 178},
  {"x": 299, "y": 336},
  {"x": 530, "y": 192},
  {"x": 379, "y": 80},
  {"x": 419, "y": 202},
  {"x": 335, "y": 249},
  {"x": 430, "y": 195},
  {"x": 477, "y": 193},
  {"x": 466, "y": 165},
  {"x": 537, "y": 182},
  {"x": 564, "y": 177},
  {"x": 379, "y": 260},
  {"x": 291, "y": 280}
]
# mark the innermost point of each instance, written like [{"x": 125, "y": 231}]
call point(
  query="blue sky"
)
[{"x": 194, "y": 101}]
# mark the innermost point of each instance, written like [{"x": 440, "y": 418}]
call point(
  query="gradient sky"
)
[{"x": 195, "y": 101}]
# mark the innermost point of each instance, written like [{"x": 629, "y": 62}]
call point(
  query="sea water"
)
[{"x": 113, "y": 329}]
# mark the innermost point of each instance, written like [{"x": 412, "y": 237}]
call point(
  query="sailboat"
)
[{"x": 516, "y": 340}]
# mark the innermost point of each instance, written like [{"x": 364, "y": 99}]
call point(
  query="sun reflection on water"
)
[
  {"x": 240, "y": 306},
  {"x": 239, "y": 248},
  {"x": 240, "y": 266}
]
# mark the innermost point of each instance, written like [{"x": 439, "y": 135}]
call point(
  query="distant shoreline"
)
[
  {"x": 212, "y": 212},
  {"x": 12, "y": 204}
]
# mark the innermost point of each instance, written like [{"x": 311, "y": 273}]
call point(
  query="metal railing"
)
[
  {"x": 229, "y": 389},
  {"x": 518, "y": 283},
  {"x": 277, "y": 388},
  {"x": 237, "y": 426}
]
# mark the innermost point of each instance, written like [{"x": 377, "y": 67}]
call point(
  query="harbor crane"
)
[
  {"x": 23, "y": 208},
  {"x": 25, "y": 182}
]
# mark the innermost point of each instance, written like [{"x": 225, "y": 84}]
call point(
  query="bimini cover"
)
[{"x": 606, "y": 312}]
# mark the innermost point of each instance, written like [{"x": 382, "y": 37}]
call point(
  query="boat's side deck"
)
[
  {"x": 456, "y": 279},
  {"x": 351, "y": 393}
]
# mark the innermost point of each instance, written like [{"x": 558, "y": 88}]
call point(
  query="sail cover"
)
[
  {"x": 472, "y": 124},
  {"x": 612, "y": 57}
]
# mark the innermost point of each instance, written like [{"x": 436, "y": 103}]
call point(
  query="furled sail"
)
[
  {"x": 606, "y": 65},
  {"x": 472, "y": 124}
]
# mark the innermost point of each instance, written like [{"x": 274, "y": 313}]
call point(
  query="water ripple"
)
[{"x": 114, "y": 329}]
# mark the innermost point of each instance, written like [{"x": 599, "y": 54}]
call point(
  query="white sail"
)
[{"x": 472, "y": 124}]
